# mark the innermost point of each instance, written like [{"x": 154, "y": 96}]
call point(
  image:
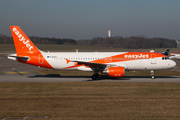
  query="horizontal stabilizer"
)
[{"x": 15, "y": 57}]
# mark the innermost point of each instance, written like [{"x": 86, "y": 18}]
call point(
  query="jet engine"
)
[{"x": 115, "y": 71}]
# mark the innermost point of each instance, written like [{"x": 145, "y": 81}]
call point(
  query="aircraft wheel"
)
[
  {"x": 152, "y": 74},
  {"x": 95, "y": 76}
]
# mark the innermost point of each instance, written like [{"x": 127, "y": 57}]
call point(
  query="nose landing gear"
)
[{"x": 152, "y": 74}]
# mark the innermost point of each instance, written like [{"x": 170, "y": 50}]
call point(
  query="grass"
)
[
  {"x": 91, "y": 100},
  {"x": 127, "y": 73},
  {"x": 71, "y": 48},
  {"x": 7, "y": 48}
]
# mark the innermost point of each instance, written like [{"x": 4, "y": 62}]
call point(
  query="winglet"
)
[{"x": 67, "y": 60}]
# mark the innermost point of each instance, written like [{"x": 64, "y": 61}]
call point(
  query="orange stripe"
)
[
  {"x": 34, "y": 60},
  {"x": 130, "y": 56}
]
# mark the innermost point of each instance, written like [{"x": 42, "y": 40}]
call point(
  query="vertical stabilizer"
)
[
  {"x": 166, "y": 52},
  {"x": 22, "y": 43}
]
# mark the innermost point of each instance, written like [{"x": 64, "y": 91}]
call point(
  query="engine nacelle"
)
[{"x": 115, "y": 71}]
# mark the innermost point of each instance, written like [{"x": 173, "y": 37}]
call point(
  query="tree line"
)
[
  {"x": 38, "y": 40},
  {"x": 133, "y": 42}
]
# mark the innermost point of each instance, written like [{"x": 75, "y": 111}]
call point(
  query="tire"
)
[
  {"x": 152, "y": 77},
  {"x": 94, "y": 77}
]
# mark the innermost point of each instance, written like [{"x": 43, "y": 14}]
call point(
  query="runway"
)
[
  {"x": 12, "y": 71},
  {"x": 39, "y": 78}
]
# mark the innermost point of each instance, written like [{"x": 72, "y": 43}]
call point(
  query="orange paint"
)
[
  {"x": 129, "y": 56},
  {"x": 116, "y": 71},
  {"x": 67, "y": 60},
  {"x": 24, "y": 47}
]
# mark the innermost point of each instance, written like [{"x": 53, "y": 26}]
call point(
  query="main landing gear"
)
[
  {"x": 152, "y": 74},
  {"x": 95, "y": 76}
]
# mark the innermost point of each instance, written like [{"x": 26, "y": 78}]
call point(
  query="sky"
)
[{"x": 85, "y": 19}]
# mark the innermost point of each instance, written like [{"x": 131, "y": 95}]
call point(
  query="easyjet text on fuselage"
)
[{"x": 137, "y": 56}]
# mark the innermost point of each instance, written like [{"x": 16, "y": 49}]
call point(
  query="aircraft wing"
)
[{"x": 91, "y": 64}]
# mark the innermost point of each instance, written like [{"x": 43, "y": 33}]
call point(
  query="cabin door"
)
[{"x": 153, "y": 59}]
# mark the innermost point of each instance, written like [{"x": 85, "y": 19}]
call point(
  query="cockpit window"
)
[{"x": 165, "y": 58}]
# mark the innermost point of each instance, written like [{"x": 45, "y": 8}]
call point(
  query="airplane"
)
[
  {"x": 112, "y": 63},
  {"x": 166, "y": 52},
  {"x": 175, "y": 56},
  {"x": 172, "y": 55}
]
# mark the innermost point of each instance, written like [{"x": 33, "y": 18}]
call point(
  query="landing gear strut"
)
[
  {"x": 152, "y": 74},
  {"x": 95, "y": 76}
]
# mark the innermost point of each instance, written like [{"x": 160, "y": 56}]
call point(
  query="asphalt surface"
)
[
  {"x": 38, "y": 78},
  {"x": 13, "y": 71}
]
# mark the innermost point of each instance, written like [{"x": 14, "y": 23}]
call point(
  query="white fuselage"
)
[{"x": 58, "y": 61}]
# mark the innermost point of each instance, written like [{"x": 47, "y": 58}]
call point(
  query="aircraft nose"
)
[{"x": 172, "y": 64}]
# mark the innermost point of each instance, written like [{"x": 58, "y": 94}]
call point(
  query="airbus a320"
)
[{"x": 112, "y": 63}]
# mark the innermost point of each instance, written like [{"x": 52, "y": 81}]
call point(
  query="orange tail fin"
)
[{"x": 22, "y": 43}]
